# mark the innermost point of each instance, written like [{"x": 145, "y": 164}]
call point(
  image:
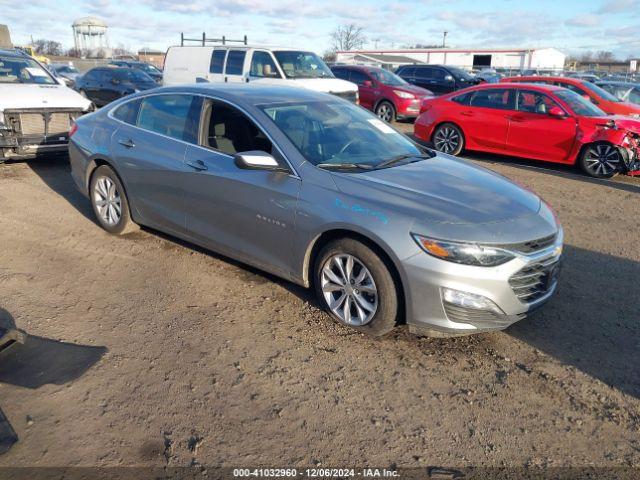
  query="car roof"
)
[
  {"x": 529, "y": 86},
  {"x": 251, "y": 93},
  {"x": 538, "y": 78}
]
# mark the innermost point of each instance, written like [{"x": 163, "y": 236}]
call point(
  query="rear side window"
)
[
  {"x": 424, "y": 73},
  {"x": 359, "y": 77},
  {"x": 217, "y": 61},
  {"x": 128, "y": 112},
  {"x": 235, "y": 62},
  {"x": 175, "y": 116},
  {"x": 493, "y": 98},
  {"x": 406, "y": 71},
  {"x": 341, "y": 73},
  {"x": 463, "y": 99}
]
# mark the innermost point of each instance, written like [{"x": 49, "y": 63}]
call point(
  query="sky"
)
[{"x": 574, "y": 26}]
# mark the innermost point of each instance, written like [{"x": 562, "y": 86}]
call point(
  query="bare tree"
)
[
  {"x": 329, "y": 56},
  {"x": 47, "y": 47},
  {"x": 347, "y": 37},
  {"x": 604, "y": 56}
]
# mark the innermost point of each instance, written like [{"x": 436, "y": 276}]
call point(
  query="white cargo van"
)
[{"x": 246, "y": 64}]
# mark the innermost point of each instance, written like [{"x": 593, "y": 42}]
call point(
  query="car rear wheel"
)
[
  {"x": 601, "y": 160},
  {"x": 109, "y": 202},
  {"x": 355, "y": 287},
  {"x": 448, "y": 139},
  {"x": 386, "y": 111}
]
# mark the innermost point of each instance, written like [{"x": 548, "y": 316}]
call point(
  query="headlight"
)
[
  {"x": 464, "y": 253},
  {"x": 402, "y": 94}
]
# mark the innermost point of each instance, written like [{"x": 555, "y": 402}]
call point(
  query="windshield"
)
[
  {"x": 580, "y": 105},
  {"x": 601, "y": 92},
  {"x": 302, "y": 65},
  {"x": 132, "y": 75},
  {"x": 387, "y": 78},
  {"x": 460, "y": 74},
  {"x": 145, "y": 67},
  {"x": 23, "y": 70},
  {"x": 339, "y": 133}
]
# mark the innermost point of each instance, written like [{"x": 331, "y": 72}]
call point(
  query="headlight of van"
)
[{"x": 464, "y": 253}]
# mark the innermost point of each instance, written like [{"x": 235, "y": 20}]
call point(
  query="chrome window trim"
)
[{"x": 293, "y": 173}]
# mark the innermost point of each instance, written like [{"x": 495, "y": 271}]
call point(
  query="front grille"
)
[
  {"x": 351, "y": 96},
  {"x": 478, "y": 318},
  {"x": 531, "y": 245},
  {"x": 535, "y": 280},
  {"x": 45, "y": 122}
]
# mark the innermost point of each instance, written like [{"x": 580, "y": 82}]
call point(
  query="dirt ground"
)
[{"x": 144, "y": 350}]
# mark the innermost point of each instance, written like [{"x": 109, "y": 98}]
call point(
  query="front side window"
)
[
  {"x": 263, "y": 66},
  {"x": 128, "y": 112},
  {"x": 387, "y": 78},
  {"x": 235, "y": 62},
  {"x": 217, "y": 61},
  {"x": 534, "y": 102},
  {"x": 18, "y": 69},
  {"x": 297, "y": 64},
  {"x": 229, "y": 131},
  {"x": 339, "y": 133},
  {"x": 175, "y": 116},
  {"x": 498, "y": 98}
]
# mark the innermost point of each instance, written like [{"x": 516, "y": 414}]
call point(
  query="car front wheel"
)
[
  {"x": 355, "y": 287},
  {"x": 386, "y": 111},
  {"x": 109, "y": 201},
  {"x": 448, "y": 139},
  {"x": 601, "y": 160}
]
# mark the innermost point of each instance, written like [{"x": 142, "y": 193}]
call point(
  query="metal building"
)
[
  {"x": 90, "y": 37},
  {"x": 502, "y": 58}
]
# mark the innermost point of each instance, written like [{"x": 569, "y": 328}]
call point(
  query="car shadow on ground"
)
[
  {"x": 55, "y": 172},
  {"x": 592, "y": 323}
]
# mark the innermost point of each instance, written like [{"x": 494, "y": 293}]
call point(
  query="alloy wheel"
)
[
  {"x": 602, "y": 160},
  {"x": 446, "y": 139},
  {"x": 107, "y": 200},
  {"x": 349, "y": 289},
  {"x": 384, "y": 113}
]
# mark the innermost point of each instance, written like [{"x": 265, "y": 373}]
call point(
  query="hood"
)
[
  {"x": 327, "y": 85},
  {"x": 621, "y": 121},
  {"x": 417, "y": 91},
  {"x": 25, "y": 95}
]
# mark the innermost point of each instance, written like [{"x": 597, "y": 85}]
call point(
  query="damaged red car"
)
[{"x": 540, "y": 122}]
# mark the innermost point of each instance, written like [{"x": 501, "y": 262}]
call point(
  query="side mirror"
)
[
  {"x": 557, "y": 112},
  {"x": 367, "y": 83},
  {"x": 258, "y": 160},
  {"x": 448, "y": 78}
]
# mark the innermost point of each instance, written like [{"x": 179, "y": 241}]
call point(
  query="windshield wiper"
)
[
  {"x": 345, "y": 166},
  {"x": 394, "y": 160}
]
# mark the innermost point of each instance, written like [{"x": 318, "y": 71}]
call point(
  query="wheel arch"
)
[
  {"x": 455, "y": 124},
  {"x": 584, "y": 146},
  {"x": 100, "y": 161},
  {"x": 376, "y": 245},
  {"x": 385, "y": 99}
]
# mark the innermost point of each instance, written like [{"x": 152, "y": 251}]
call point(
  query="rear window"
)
[
  {"x": 235, "y": 62},
  {"x": 175, "y": 116},
  {"x": 217, "y": 61}
]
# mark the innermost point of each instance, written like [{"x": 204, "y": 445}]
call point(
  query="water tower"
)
[{"x": 90, "y": 36}]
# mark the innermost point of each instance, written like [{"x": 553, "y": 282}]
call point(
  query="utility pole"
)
[{"x": 444, "y": 39}]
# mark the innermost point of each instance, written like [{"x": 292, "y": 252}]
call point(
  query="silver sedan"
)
[{"x": 318, "y": 191}]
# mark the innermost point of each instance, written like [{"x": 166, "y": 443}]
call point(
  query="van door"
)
[
  {"x": 216, "y": 65},
  {"x": 234, "y": 71}
]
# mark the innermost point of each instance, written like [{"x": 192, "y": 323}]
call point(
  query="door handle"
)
[
  {"x": 467, "y": 114},
  {"x": 198, "y": 165},
  {"x": 515, "y": 118},
  {"x": 127, "y": 143}
]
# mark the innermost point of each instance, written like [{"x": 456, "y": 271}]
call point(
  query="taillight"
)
[
  {"x": 74, "y": 129},
  {"x": 425, "y": 104}
]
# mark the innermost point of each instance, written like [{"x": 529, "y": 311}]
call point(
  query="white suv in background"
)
[{"x": 235, "y": 64}]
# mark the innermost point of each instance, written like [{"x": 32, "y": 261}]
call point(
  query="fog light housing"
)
[{"x": 469, "y": 300}]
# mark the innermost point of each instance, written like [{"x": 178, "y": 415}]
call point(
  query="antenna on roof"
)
[{"x": 204, "y": 40}]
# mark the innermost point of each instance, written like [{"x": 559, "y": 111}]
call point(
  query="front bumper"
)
[{"x": 517, "y": 288}]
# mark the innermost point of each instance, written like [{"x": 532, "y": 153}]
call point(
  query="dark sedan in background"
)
[
  {"x": 439, "y": 79},
  {"x": 147, "y": 68},
  {"x": 106, "y": 84}
]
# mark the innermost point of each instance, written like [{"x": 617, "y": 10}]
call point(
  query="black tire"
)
[
  {"x": 601, "y": 160},
  {"x": 448, "y": 138},
  {"x": 124, "y": 224},
  {"x": 386, "y": 111},
  {"x": 385, "y": 316}
]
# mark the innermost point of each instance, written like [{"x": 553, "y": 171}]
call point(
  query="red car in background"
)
[
  {"x": 384, "y": 92},
  {"x": 541, "y": 122},
  {"x": 599, "y": 96}
]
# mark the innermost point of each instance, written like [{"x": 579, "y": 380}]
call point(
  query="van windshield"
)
[
  {"x": 296, "y": 64},
  {"x": 18, "y": 69}
]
